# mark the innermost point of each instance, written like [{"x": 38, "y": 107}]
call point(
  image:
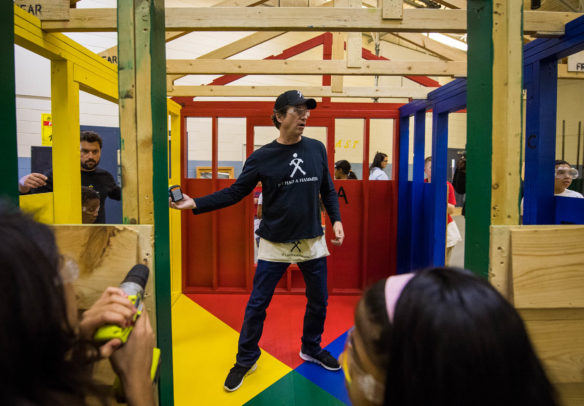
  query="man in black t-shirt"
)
[
  {"x": 294, "y": 172},
  {"x": 93, "y": 177}
]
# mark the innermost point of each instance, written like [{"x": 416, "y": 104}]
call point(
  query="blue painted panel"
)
[
  {"x": 569, "y": 210},
  {"x": 540, "y": 145},
  {"x": 419, "y": 252},
  {"x": 439, "y": 168},
  {"x": 404, "y": 226}
]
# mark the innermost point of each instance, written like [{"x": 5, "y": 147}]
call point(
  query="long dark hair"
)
[
  {"x": 377, "y": 160},
  {"x": 455, "y": 341},
  {"x": 41, "y": 362}
]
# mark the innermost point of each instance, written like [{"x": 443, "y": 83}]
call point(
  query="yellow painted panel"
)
[
  {"x": 40, "y": 206},
  {"x": 175, "y": 217},
  {"x": 204, "y": 351}
]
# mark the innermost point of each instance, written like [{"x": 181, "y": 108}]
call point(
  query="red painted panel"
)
[
  {"x": 382, "y": 224},
  {"x": 197, "y": 258},
  {"x": 345, "y": 261},
  {"x": 232, "y": 226}
]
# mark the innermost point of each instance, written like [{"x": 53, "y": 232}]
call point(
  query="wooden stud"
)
[
  {"x": 146, "y": 17},
  {"x": 392, "y": 9},
  {"x": 338, "y": 54},
  {"x": 507, "y": 111},
  {"x": 66, "y": 132},
  {"x": 9, "y": 153},
  {"x": 479, "y": 130},
  {"x": 127, "y": 103},
  {"x": 354, "y": 42},
  {"x": 307, "y": 19}
]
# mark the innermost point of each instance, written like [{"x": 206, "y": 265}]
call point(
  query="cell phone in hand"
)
[{"x": 175, "y": 193}]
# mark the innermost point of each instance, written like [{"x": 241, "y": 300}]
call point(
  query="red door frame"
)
[{"x": 258, "y": 113}]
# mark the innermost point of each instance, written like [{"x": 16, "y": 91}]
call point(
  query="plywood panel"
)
[
  {"x": 560, "y": 346},
  {"x": 104, "y": 255},
  {"x": 548, "y": 267}
]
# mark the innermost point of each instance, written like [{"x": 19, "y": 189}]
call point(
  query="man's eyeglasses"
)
[
  {"x": 300, "y": 111},
  {"x": 373, "y": 390},
  {"x": 570, "y": 172}
]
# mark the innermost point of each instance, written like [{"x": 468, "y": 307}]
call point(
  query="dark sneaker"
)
[
  {"x": 323, "y": 358},
  {"x": 236, "y": 375}
]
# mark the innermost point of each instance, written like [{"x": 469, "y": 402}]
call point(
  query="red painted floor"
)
[{"x": 283, "y": 326}]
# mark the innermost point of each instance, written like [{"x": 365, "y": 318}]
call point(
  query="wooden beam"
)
[
  {"x": 317, "y": 91},
  {"x": 306, "y": 19},
  {"x": 313, "y": 67},
  {"x": 427, "y": 43},
  {"x": 507, "y": 112}
]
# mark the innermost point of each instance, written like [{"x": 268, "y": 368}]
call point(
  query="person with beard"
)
[{"x": 93, "y": 177}]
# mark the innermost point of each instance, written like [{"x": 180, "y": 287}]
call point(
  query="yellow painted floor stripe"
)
[{"x": 204, "y": 349}]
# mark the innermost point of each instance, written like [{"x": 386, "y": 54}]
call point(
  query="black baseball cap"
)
[{"x": 293, "y": 98}]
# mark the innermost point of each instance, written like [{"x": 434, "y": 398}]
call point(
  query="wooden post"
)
[
  {"x": 9, "y": 154},
  {"x": 354, "y": 42},
  {"x": 507, "y": 111},
  {"x": 392, "y": 9},
  {"x": 479, "y": 135},
  {"x": 66, "y": 132},
  {"x": 144, "y": 112}
]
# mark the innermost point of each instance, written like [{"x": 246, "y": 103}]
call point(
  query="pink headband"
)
[{"x": 393, "y": 289}]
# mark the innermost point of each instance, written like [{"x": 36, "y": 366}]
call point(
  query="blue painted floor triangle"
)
[{"x": 331, "y": 381}]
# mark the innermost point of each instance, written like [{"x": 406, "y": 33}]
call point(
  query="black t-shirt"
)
[
  {"x": 292, "y": 178},
  {"x": 99, "y": 179}
]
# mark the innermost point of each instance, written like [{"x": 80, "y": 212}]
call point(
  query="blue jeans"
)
[{"x": 267, "y": 276}]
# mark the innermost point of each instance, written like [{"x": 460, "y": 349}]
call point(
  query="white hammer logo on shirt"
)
[{"x": 296, "y": 162}]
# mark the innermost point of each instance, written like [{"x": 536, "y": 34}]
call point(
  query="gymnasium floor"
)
[{"x": 205, "y": 333}]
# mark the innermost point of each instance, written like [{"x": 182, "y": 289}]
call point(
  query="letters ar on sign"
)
[{"x": 46, "y": 9}]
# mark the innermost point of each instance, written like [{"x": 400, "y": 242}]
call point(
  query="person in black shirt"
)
[
  {"x": 293, "y": 171},
  {"x": 92, "y": 177}
]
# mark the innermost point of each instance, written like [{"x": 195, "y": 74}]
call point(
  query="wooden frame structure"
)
[
  {"x": 540, "y": 205},
  {"x": 74, "y": 68}
]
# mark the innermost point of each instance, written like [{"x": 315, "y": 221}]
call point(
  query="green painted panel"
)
[
  {"x": 479, "y": 135},
  {"x": 294, "y": 389},
  {"x": 9, "y": 151}
]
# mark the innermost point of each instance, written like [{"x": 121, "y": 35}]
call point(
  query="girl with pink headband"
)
[{"x": 441, "y": 337}]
